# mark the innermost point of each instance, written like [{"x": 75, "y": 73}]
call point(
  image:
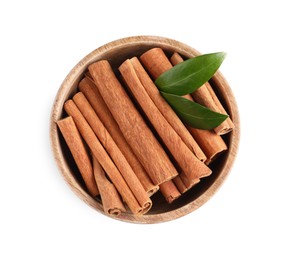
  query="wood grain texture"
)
[{"x": 117, "y": 52}]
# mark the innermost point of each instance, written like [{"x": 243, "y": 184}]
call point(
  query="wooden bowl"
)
[{"x": 116, "y": 52}]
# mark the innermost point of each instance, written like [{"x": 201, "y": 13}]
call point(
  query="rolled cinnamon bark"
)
[
  {"x": 169, "y": 191},
  {"x": 111, "y": 147},
  {"x": 179, "y": 184},
  {"x": 166, "y": 110},
  {"x": 188, "y": 183},
  {"x": 102, "y": 156},
  {"x": 211, "y": 143},
  {"x": 220, "y": 129},
  {"x": 155, "y": 62},
  {"x": 89, "y": 89},
  {"x": 187, "y": 161},
  {"x": 79, "y": 153},
  {"x": 135, "y": 130},
  {"x": 111, "y": 200},
  {"x": 206, "y": 96}
]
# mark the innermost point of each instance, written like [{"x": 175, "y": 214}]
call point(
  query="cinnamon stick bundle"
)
[
  {"x": 206, "y": 96},
  {"x": 113, "y": 150},
  {"x": 102, "y": 156},
  {"x": 90, "y": 91},
  {"x": 156, "y": 62},
  {"x": 75, "y": 144},
  {"x": 135, "y": 130},
  {"x": 166, "y": 110},
  {"x": 187, "y": 161},
  {"x": 111, "y": 200}
]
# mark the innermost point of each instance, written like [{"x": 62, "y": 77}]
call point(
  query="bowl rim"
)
[{"x": 64, "y": 91}]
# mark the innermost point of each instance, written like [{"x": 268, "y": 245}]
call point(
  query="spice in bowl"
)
[{"x": 153, "y": 125}]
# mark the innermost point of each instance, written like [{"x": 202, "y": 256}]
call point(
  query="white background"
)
[{"x": 41, "y": 218}]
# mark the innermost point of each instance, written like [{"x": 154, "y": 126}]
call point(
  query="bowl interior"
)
[{"x": 117, "y": 52}]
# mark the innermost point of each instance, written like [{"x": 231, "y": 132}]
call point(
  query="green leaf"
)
[
  {"x": 187, "y": 76},
  {"x": 193, "y": 113}
]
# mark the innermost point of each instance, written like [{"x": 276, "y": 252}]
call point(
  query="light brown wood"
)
[{"x": 117, "y": 52}]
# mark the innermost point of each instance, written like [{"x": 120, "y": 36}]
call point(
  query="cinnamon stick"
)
[
  {"x": 186, "y": 160},
  {"x": 113, "y": 150},
  {"x": 206, "y": 96},
  {"x": 89, "y": 89},
  {"x": 183, "y": 183},
  {"x": 166, "y": 110},
  {"x": 75, "y": 144},
  {"x": 135, "y": 130},
  {"x": 230, "y": 123},
  {"x": 155, "y": 62},
  {"x": 111, "y": 200},
  {"x": 102, "y": 156},
  {"x": 211, "y": 143},
  {"x": 188, "y": 183},
  {"x": 179, "y": 184},
  {"x": 169, "y": 191}
]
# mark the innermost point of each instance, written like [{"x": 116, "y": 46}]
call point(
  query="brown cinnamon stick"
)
[
  {"x": 113, "y": 150},
  {"x": 155, "y": 62},
  {"x": 75, "y": 144},
  {"x": 169, "y": 191},
  {"x": 189, "y": 183},
  {"x": 187, "y": 161},
  {"x": 89, "y": 89},
  {"x": 211, "y": 143},
  {"x": 166, "y": 110},
  {"x": 203, "y": 96},
  {"x": 111, "y": 200},
  {"x": 206, "y": 96},
  {"x": 143, "y": 142},
  {"x": 179, "y": 184},
  {"x": 183, "y": 183},
  {"x": 102, "y": 156}
]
